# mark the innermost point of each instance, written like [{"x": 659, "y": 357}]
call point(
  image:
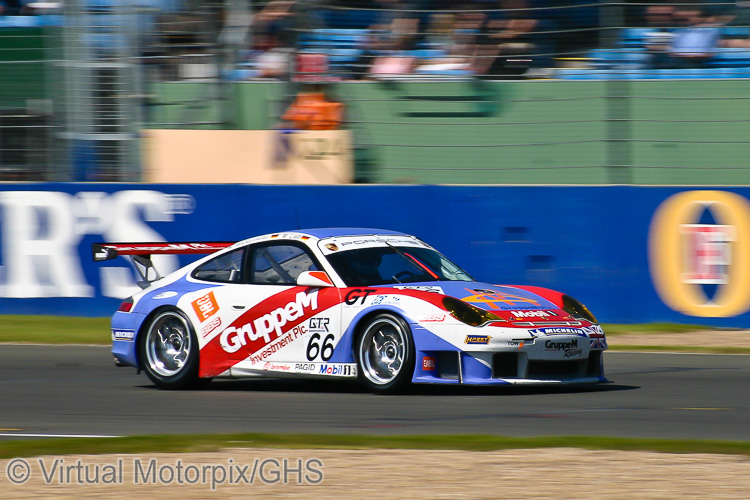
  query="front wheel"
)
[
  {"x": 169, "y": 351},
  {"x": 385, "y": 353}
]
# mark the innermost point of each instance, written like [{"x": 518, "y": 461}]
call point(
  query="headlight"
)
[
  {"x": 576, "y": 309},
  {"x": 466, "y": 313}
]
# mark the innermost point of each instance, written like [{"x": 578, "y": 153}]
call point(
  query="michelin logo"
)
[{"x": 558, "y": 331}]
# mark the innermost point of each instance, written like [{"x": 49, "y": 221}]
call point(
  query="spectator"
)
[
  {"x": 695, "y": 40},
  {"x": 270, "y": 61},
  {"x": 659, "y": 36},
  {"x": 274, "y": 22},
  {"x": 738, "y": 18},
  {"x": 395, "y": 32},
  {"x": 454, "y": 46},
  {"x": 507, "y": 43},
  {"x": 10, "y": 7},
  {"x": 313, "y": 110}
]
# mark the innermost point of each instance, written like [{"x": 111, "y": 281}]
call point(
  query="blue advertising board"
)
[{"x": 632, "y": 254}]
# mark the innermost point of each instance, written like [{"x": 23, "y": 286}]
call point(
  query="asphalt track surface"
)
[{"x": 76, "y": 390}]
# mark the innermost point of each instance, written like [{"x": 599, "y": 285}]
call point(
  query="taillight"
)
[{"x": 126, "y": 305}]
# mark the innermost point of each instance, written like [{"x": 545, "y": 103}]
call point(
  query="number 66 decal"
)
[{"x": 325, "y": 349}]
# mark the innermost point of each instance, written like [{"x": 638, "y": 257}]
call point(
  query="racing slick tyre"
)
[
  {"x": 168, "y": 350},
  {"x": 385, "y": 353}
]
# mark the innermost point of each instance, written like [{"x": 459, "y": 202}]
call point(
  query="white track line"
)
[{"x": 15, "y": 434}]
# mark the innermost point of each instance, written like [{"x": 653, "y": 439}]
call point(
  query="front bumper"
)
[{"x": 546, "y": 360}]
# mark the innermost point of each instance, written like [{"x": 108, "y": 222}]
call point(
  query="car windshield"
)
[{"x": 392, "y": 265}]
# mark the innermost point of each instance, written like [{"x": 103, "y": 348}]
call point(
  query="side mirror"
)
[{"x": 314, "y": 278}]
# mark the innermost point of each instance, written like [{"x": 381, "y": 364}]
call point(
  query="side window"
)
[
  {"x": 279, "y": 264},
  {"x": 225, "y": 268}
]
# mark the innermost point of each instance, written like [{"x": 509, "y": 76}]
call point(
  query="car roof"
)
[{"x": 330, "y": 232}]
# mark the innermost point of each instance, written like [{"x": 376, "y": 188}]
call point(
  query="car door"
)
[{"x": 270, "y": 321}]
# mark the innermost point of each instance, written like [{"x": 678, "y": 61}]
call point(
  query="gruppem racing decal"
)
[{"x": 265, "y": 328}]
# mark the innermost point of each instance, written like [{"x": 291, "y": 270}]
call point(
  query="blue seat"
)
[
  {"x": 735, "y": 31},
  {"x": 730, "y": 57},
  {"x": 635, "y": 58},
  {"x": 634, "y": 37}
]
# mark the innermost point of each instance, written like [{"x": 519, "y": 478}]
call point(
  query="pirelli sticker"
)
[{"x": 699, "y": 253}]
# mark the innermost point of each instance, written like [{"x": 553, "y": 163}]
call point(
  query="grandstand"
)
[{"x": 513, "y": 91}]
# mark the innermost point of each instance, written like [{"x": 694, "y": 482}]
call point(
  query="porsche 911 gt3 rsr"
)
[{"x": 377, "y": 305}]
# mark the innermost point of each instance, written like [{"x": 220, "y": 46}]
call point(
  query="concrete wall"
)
[{"x": 692, "y": 132}]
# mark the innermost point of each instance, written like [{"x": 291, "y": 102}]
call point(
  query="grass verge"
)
[
  {"x": 79, "y": 330},
  {"x": 54, "y": 330},
  {"x": 210, "y": 443}
]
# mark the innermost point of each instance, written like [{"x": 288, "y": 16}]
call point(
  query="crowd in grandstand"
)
[
  {"x": 370, "y": 39},
  {"x": 495, "y": 38}
]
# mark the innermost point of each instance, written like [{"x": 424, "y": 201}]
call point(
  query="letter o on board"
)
[{"x": 667, "y": 253}]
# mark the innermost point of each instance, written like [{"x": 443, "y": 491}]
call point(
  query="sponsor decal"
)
[
  {"x": 319, "y": 325},
  {"x": 125, "y": 335},
  {"x": 500, "y": 300},
  {"x": 385, "y": 299},
  {"x": 359, "y": 242},
  {"x": 209, "y": 327},
  {"x": 165, "y": 295},
  {"x": 278, "y": 344},
  {"x": 477, "y": 339},
  {"x": 596, "y": 334},
  {"x": 332, "y": 247},
  {"x": 265, "y": 329},
  {"x": 167, "y": 247},
  {"x": 206, "y": 306},
  {"x": 593, "y": 331},
  {"x": 698, "y": 247},
  {"x": 342, "y": 370},
  {"x": 429, "y": 363},
  {"x": 305, "y": 367},
  {"x": 558, "y": 331},
  {"x": 277, "y": 367},
  {"x": 357, "y": 295},
  {"x": 422, "y": 288},
  {"x": 516, "y": 343},
  {"x": 260, "y": 329},
  {"x": 598, "y": 343},
  {"x": 432, "y": 318},
  {"x": 561, "y": 344},
  {"x": 573, "y": 353},
  {"x": 533, "y": 314}
]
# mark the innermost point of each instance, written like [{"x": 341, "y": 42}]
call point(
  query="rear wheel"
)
[
  {"x": 385, "y": 353},
  {"x": 168, "y": 351}
]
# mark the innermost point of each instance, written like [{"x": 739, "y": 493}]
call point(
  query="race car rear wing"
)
[{"x": 140, "y": 254}]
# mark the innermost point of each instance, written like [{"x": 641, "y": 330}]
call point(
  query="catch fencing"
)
[{"x": 502, "y": 90}]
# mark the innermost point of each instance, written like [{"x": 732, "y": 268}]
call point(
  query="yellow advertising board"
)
[
  {"x": 685, "y": 254},
  {"x": 248, "y": 156}
]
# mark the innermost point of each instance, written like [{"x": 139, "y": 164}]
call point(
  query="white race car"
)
[{"x": 377, "y": 305}]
